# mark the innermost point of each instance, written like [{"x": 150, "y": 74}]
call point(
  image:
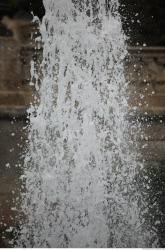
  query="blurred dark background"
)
[
  {"x": 22, "y": 8},
  {"x": 143, "y": 20}
]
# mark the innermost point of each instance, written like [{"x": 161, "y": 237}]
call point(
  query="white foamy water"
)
[{"x": 81, "y": 160}]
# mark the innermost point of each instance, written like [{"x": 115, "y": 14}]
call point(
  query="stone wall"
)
[
  {"x": 146, "y": 73},
  {"x": 15, "y": 92},
  {"x": 145, "y": 69}
]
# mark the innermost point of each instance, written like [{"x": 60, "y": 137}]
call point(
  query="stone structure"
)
[
  {"x": 15, "y": 92},
  {"x": 145, "y": 71}
]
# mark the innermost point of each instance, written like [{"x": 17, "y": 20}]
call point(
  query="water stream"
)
[{"x": 82, "y": 159}]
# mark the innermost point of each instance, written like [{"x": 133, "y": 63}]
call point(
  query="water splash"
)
[{"x": 81, "y": 162}]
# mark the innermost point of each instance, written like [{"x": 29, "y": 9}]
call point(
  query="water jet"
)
[{"x": 82, "y": 160}]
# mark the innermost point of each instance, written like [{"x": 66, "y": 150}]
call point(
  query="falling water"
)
[{"x": 81, "y": 162}]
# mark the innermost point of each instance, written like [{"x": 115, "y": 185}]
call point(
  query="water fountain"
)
[{"x": 81, "y": 161}]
